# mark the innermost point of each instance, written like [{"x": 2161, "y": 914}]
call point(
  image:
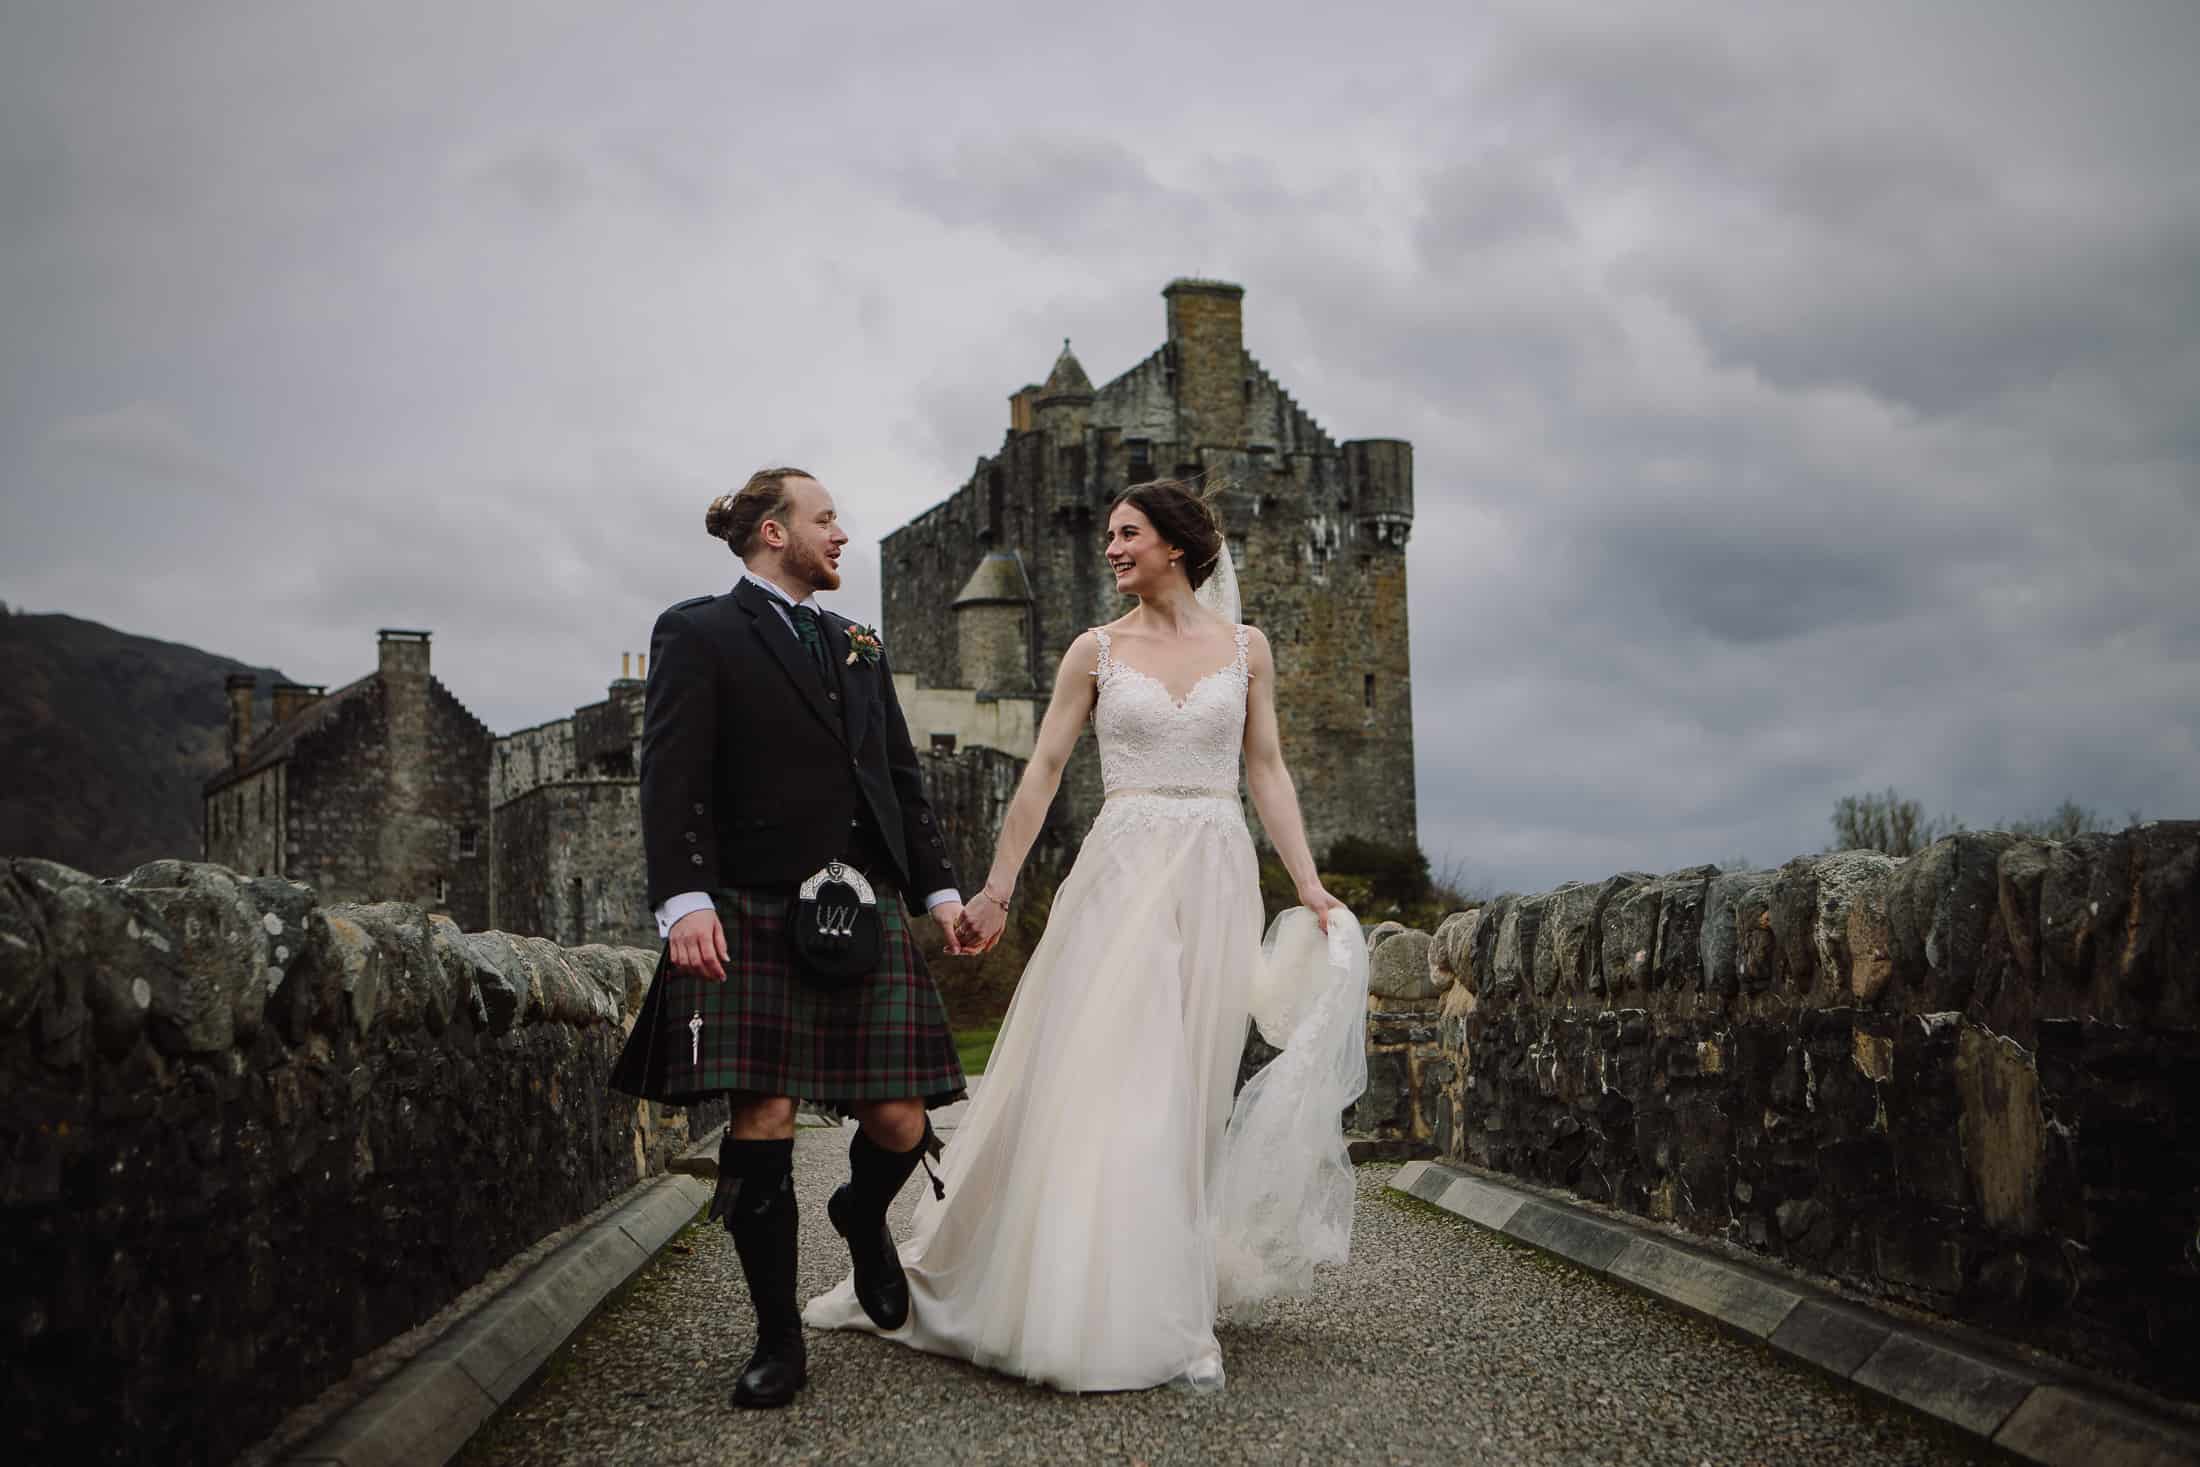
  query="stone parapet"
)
[
  {"x": 1968, "y": 1080},
  {"x": 249, "y": 1137}
]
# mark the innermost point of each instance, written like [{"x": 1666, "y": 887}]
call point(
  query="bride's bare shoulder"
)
[
  {"x": 1259, "y": 656},
  {"x": 1082, "y": 656}
]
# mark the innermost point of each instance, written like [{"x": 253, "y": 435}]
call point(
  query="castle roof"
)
[
  {"x": 274, "y": 746},
  {"x": 1068, "y": 378},
  {"x": 998, "y": 578}
]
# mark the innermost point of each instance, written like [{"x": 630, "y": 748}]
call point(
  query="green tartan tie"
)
[{"x": 806, "y": 628}]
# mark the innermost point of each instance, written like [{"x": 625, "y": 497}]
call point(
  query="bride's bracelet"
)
[{"x": 998, "y": 900}]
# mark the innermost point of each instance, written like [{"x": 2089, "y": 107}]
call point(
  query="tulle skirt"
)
[{"x": 1093, "y": 1222}]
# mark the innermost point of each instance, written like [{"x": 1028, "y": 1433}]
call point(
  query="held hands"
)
[
  {"x": 949, "y": 916},
  {"x": 983, "y": 922},
  {"x": 698, "y": 943}
]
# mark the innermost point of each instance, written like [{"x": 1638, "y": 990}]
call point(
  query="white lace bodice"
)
[{"x": 1152, "y": 745}]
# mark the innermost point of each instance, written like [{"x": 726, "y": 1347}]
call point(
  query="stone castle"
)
[
  {"x": 1317, "y": 529},
  {"x": 388, "y": 789}
]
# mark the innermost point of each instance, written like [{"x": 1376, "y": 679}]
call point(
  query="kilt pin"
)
[{"x": 769, "y": 750}]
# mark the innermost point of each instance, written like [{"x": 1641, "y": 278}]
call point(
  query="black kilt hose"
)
[{"x": 758, "y": 767}]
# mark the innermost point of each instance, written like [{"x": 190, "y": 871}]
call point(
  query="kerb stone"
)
[
  {"x": 2059, "y": 1426},
  {"x": 1833, "y": 1337},
  {"x": 424, "y": 1413},
  {"x": 1571, "y": 1235},
  {"x": 1958, "y": 1387},
  {"x": 1732, "y": 1295}
]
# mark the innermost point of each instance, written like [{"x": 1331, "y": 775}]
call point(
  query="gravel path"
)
[{"x": 1438, "y": 1343}]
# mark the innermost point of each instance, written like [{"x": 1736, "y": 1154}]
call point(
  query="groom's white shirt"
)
[{"x": 676, "y": 907}]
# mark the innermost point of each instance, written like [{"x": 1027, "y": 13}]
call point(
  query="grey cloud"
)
[
  {"x": 1801, "y": 405},
  {"x": 1050, "y": 189},
  {"x": 1489, "y": 202}
]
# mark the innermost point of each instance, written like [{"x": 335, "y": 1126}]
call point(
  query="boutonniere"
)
[{"x": 864, "y": 643}]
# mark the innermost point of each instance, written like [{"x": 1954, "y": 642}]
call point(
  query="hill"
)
[{"x": 105, "y": 738}]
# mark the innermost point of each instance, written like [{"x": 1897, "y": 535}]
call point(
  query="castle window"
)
[
  {"x": 263, "y": 802},
  {"x": 1141, "y": 467},
  {"x": 1368, "y": 692},
  {"x": 469, "y": 840},
  {"x": 943, "y": 743},
  {"x": 1237, "y": 551},
  {"x": 442, "y": 891}
]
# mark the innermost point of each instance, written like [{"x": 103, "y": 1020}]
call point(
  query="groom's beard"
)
[{"x": 813, "y": 569}]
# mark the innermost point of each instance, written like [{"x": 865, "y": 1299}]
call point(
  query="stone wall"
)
[
  {"x": 245, "y": 825},
  {"x": 248, "y": 1138},
  {"x": 569, "y": 864},
  {"x": 1968, "y": 1080},
  {"x": 970, "y": 791}
]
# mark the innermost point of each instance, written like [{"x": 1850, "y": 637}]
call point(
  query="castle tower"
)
[
  {"x": 1318, "y": 529},
  {"x": 993, "y": 626}
]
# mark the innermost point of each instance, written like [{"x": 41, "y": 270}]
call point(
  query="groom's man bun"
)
[
  {"x": 737, "y": 519},
  {"x": 1184, "y": 517}
]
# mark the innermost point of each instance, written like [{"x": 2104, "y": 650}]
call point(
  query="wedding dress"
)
[{"x": 1104, "y": 1199}]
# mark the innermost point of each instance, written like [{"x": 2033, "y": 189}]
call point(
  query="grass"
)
[{"x": 975, "y": 1046}]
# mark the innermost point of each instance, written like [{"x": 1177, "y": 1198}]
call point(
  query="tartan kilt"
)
[{"x": 767, "y": 1031}]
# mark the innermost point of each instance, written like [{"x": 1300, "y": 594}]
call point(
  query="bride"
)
[{"x": 1103, "y": 1198}]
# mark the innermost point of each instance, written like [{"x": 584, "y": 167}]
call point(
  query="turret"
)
[
  {"x": 1379, "y": 482},
  {"x": 993, "y": 625},
  {"x": 1065, "y": 400}
]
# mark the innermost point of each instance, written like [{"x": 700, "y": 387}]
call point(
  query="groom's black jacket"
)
[{"x": 755, "y": 770}]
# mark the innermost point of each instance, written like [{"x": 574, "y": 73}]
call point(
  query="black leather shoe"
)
[
  {"x": 881, "y": 1286},
  {"x": 779, "y": 1368}
]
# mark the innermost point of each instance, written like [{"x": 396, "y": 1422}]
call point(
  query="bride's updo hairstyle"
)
[
  {"x": 738, "y": 518},
  {"x": 1182, "y": 516}
]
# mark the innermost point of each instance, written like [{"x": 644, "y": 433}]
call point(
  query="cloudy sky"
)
[{"x": 1805, "y": 399}]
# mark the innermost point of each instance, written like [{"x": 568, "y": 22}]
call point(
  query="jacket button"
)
[
  {"x": 691, "y": 837},
  {"x": 832, "y": 697},
  {"x": 697, "y": 858},
  {"x": 924, "y": 819},
  {"x": 935, "y": 840},
  {"x": 698, "y": 809}
]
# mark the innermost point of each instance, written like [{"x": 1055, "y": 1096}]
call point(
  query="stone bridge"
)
[{"x": 1856, "y": 1160}]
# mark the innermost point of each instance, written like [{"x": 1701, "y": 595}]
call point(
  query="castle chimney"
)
[
  {"x": 240, "y": 686},
  {"x": 404, "y": 653},
  {"x": 641, "y": 667},
  {"x": 626, "y": 666},
  {"x": 1207, "y": 345},
  {"x": 292, "y": 699},
  {"x": 1020, "y": 405}
]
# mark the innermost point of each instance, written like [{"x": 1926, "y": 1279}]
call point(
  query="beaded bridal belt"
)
[{"x": 1176, "y": 792}]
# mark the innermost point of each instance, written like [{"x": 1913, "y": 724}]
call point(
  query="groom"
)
[{"x": 772, "y": 744}]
